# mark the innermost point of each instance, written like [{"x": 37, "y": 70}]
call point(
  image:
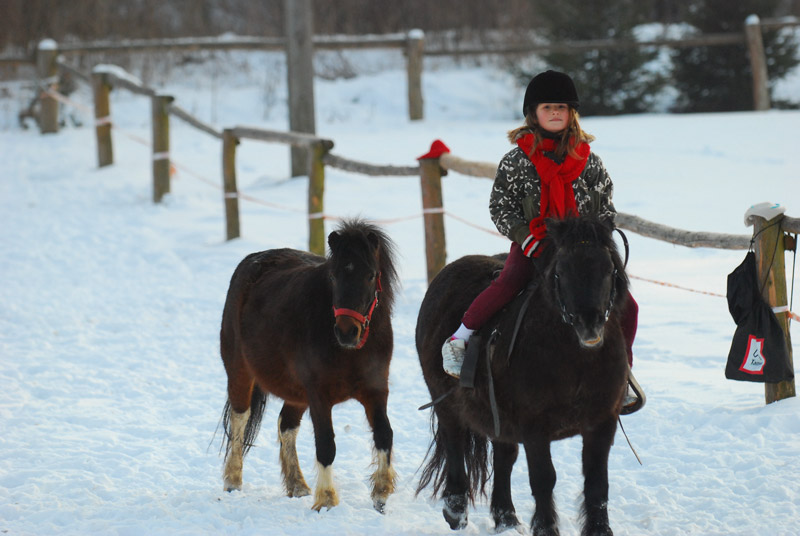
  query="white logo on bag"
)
[{"x": 754, "y": 359}]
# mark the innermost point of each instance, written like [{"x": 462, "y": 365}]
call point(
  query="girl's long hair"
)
[{"x": 567, "y": 142}]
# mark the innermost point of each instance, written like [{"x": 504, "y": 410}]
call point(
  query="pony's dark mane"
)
[
  {"x": 355, "y": 238},
  {"x": 584, "y": 229}
]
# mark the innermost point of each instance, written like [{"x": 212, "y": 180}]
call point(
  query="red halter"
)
[{"x": 364, "y": 320}]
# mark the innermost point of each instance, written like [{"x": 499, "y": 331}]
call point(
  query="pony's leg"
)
[
  {"x": 232, "y": 474},
  {"x": 384, "y": 477},
  {"x": 503, "y": 512},
  {"x": 288, "y": 426},
  {"x": 456, "y": 488},
  {"x": 240, "y": 389},
  {"x": 325, "y": 495},
  {"x": 596, "y": 446},
  {"x": 542, "y": 477}
]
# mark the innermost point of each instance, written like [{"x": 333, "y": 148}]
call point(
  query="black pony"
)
[
  {"x": 314, "y": 332},
  {"x": 564, "y": 375}
]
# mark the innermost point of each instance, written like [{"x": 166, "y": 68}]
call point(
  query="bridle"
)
[
  {"x": 569, "y": 318},
  {"x": 364, "y": 320}
]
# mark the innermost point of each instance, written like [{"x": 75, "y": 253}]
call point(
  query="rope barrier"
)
[
  {"x": 470, "y": 224},
  {"x": 671, "y": 285}
]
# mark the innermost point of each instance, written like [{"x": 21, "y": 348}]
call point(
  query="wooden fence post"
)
[
  {"x": 316, "y": 195},
  {"x": 300, "y": 74},
  {"x": 102, "y": 119},
  {"x": 769, "y": 249},
  {"x": 758, "y": 63},
  {"x": 415, "y": 48},
  {"x": 433, "y": 213},
  {"x": 160, "y": 113},
  {"x": 229, "y": 143},
  {"x": 47, "y": 71}
]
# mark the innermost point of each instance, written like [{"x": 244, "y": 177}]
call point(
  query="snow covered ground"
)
[{"x": 112, "y": 386}]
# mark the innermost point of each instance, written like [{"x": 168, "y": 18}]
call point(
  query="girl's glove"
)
[{"x": 530, "y": 246}]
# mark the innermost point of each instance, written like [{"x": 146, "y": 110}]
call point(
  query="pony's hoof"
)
[
  {"x": 598, "y": 530},
  {"x": 325, "y": 499},
  {"x": 379, "y": 499},
  {"x": 231, "y": 485},
  {"x": 550, "y": 530},
  {"x": 455, "y": 511},
  {"x": 506, "y": 520},
  {"x": 299, "y": 491},
  {"x": 379, "y": 505}
]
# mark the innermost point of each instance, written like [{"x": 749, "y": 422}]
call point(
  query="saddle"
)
[{"x": 470, "y": 365}]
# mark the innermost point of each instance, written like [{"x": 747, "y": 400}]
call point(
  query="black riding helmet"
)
[{"x": 550, "y": 86}]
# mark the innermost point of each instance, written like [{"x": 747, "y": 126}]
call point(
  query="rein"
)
[
  {"x": 364, "y": 320},
  {"x": 627, "y": 247}
]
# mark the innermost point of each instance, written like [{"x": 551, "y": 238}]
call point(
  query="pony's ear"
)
[
  {"x": 555, "y": 227},
  {"x": 333, "y": 238},
  {"x": 607, "y": 221},
  {"x": 374, "y": 241}
]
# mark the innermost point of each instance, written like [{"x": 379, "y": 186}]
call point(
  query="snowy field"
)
[{"x": 112, "y": 385}]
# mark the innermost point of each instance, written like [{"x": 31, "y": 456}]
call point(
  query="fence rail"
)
[
  {"x": 186, "y": 117},
  {"x": 369, "y": 169}
]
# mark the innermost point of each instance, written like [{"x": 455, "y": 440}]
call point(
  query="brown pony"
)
[
  {"x": 314, "y": 332},
  {"x": 564, "y": 375}
]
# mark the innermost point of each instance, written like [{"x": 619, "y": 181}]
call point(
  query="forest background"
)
[{"x": 713, "y": 78}]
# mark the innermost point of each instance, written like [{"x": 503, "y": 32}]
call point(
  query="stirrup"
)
[{"x": 640, "y": 398}]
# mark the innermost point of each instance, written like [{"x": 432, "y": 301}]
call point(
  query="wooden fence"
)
[
  {"x": 414, "y": 46},
  {"x": 770, "y": 237},
  {"x": 104, "y": 78}
]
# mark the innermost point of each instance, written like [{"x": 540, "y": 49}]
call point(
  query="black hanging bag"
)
[{"x": 758, "y": 351}]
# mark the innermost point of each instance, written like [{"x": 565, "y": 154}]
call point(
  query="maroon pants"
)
[{"x": 516, "y": 273}]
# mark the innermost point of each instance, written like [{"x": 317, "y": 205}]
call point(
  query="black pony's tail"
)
[
  {"x": 258, "y": 401},
  {"x": 475, "y": 457}
]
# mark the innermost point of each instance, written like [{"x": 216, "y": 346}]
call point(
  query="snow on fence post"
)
[
  {"x": 415, "y": 49},
  {"x": 102, "y": 118},
  {"x": 430, "y": 174},
  {"x": 770, "y": 243},
  {"x": 229, "y": 143},
  {"x": 758, "y": 62},
  {"x": 161, "y": 163},
  {"x": 316, "y": 193},
  {"x": 47, "y": 71}
]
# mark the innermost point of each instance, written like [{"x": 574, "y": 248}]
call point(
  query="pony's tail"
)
[
  {"x": 476, "y": 461},
  {"x": 258, "y": 401}
]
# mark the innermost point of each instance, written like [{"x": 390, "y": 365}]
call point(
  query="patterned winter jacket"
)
[{"x": 514, "y": 201}]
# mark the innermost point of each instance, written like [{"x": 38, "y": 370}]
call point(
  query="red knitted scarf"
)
[{"x": 557, "y": 195}]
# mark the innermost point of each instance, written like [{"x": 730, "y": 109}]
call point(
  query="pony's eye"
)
[{"x": 371, "y": 277}]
